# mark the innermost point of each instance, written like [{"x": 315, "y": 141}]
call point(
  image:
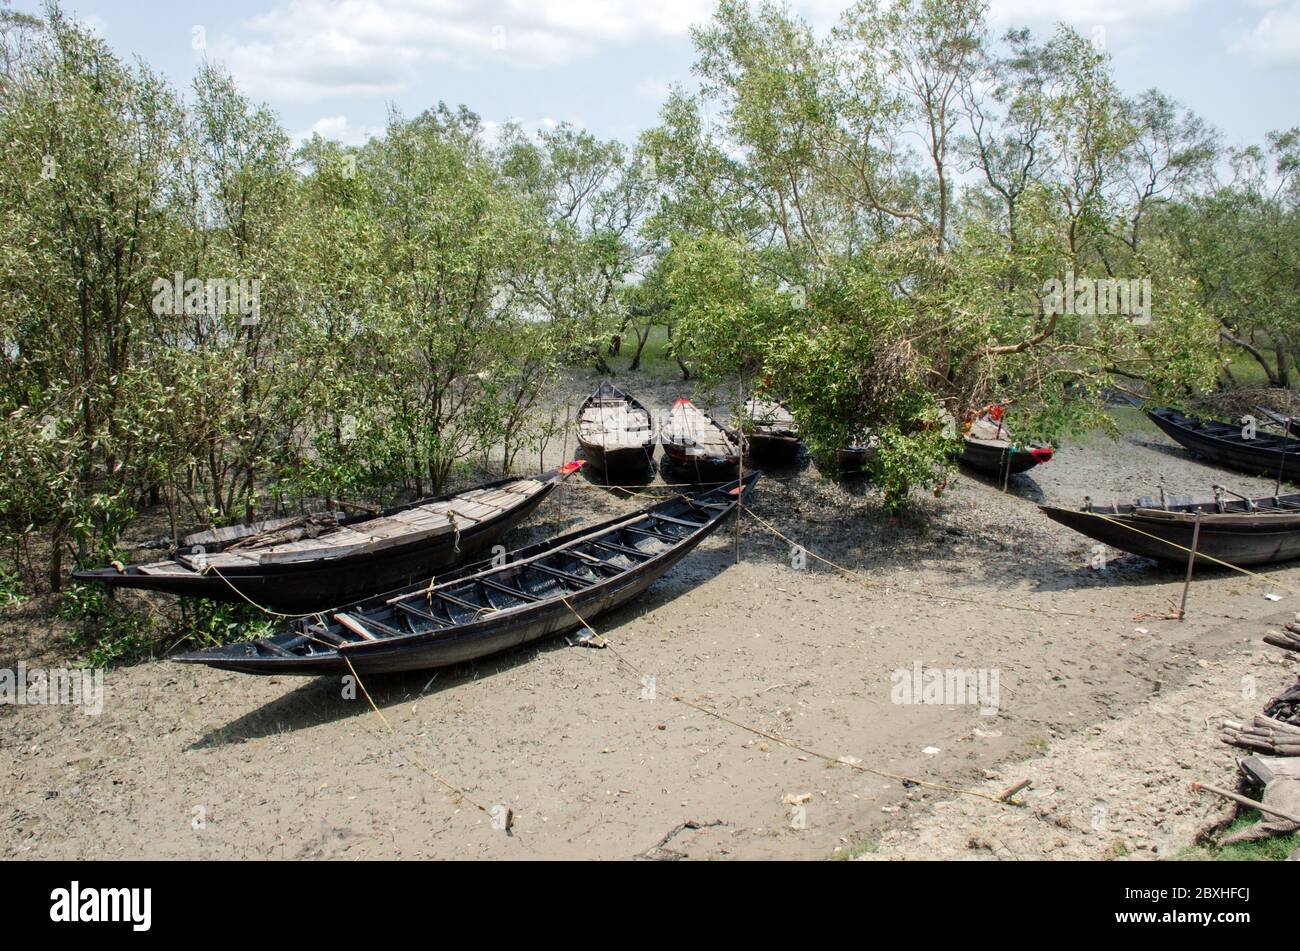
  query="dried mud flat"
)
[{"x": 193, "y": 763}]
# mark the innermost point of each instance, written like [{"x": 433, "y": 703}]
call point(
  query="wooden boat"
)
[
  {"x": 535, "y": 592},
  {"x": 856, "y": 459},
  {"x": 616, "y": 432},
  {"x": 1226, "y": 444},
  {"x": 1288, "y": 424},
  {"x": 695, "y": 439},
  {"x": 987, "y": 447},
  {"x": 1239, "y": 532},
  {"x": 770, "y": 430},
  {"x": 299, "y": 569}
]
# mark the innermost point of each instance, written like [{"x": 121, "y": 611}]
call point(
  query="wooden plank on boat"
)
[
  {"x": 355, "y": 626},
  {"x": 222, "y": 560},
  {"x": 519, "y": 593},
  {"x": 163, "y": 569}
]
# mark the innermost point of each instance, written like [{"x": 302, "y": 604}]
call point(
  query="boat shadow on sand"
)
[
  {"x": 1020, "y": 485},
  {"x": 319, "y": 701}
]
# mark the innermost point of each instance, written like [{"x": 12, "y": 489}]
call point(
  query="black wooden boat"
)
[
  {"x": 1002, "y": 457},
  {"x": 1288, "y": 424},
  {"x": 987, "y": 447},
  {"x": 1239, "y": 532},
  {"x": 535, "y": 592},
  {"x": 615, "y": 431},
  {"x": 858, "y": 458},
  {"x": 1226, "y": 444},
  {"x": 296, "y": 570},
  {"x": 770, "y": 430},
  {"x": 694, "y": 439}
]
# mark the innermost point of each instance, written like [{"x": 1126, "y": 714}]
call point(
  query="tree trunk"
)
[
  {"x": 640, "y": 345},
  {"x": 57, "y": 534}
]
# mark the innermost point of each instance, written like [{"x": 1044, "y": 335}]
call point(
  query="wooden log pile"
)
[
  {"x": 1287, "y": 639},
  {"x": 1263, "y": 734}
]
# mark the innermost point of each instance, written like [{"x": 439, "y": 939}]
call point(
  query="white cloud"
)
[
  {"x": 1275, "y": 39},
  {"x": 341, "y": 129},
  {"x": 532, "y": 128},
  {"x": 1118, "y": 15},
  {"x": 656, "y": 90},
  {"x": 304, "y": 50}
]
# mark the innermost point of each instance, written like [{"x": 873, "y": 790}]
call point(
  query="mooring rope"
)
[
  {"x": 428, "y": 770},
  {"x": 1265, "y": 579},
  {"x": 834, "y": 760}
]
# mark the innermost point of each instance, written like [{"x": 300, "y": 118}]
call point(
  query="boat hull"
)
[
  {"x": 1275, "y": 457},
  {"x": 764, "y": 447},
  {"x": 714, "y": 465},
  {"x": 471, "y": 641},
  {"x": 311, "y": 586},
  {"x": 1236, "y": 539},
  {"x": 1001, "y": 460},
  {"x": 631, "y": 459}
]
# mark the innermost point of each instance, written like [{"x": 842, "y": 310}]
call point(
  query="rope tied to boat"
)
[
  {"x": 1006, "y": 799},
  {"x": 320, "y": 617},
  {"x": 455, "y": 527},
  {"x": 1199, "y": 554}
]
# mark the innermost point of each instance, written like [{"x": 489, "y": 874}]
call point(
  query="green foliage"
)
[
  {"x": 413, "y": 299},
  {"x": 204, "y": 623},
  {"x": 12, "y": 589},
  {"x": 1273, "y": 849},
  {"x": 830, "y": 173},
  {"x": 106, "y": 631}
]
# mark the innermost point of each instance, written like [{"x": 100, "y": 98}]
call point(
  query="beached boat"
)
[
  {"x": 615, "y": 431},
  {"x": 540, "y": 591},
  {"x": 1234, "y": 446},
  {"x": 988, "y": 447},
  {"x": 770, "y": 429},
  {"x": 304, "y": 564},
  {"x": 857, "y": 458},
  {"x": 1237, "y": 531},
  {"x": 1290, "y": 425},
  {"x": 694, "y": 439}
]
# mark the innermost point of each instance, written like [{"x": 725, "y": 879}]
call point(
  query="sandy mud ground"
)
[{"x": 1104, "y": 703}]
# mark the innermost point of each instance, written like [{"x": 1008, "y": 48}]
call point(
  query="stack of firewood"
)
[
  {"x": 1264, "y": 734},
  {"x": 1288, "y": 638}
]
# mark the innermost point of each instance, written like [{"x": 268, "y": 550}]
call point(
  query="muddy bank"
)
[{"x": 188, "y": 762}]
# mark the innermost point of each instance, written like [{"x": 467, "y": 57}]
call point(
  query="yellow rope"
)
[
  {"x": 843, "y": 762},
  {"x": 1199, "y": 554},
  {"x": 790, "y": 743},
  {"x": 414, "y": 758},
  {"x": 360, "y": 683}
]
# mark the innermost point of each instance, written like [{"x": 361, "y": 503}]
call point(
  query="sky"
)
[{"x": 607, "y": 65}]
